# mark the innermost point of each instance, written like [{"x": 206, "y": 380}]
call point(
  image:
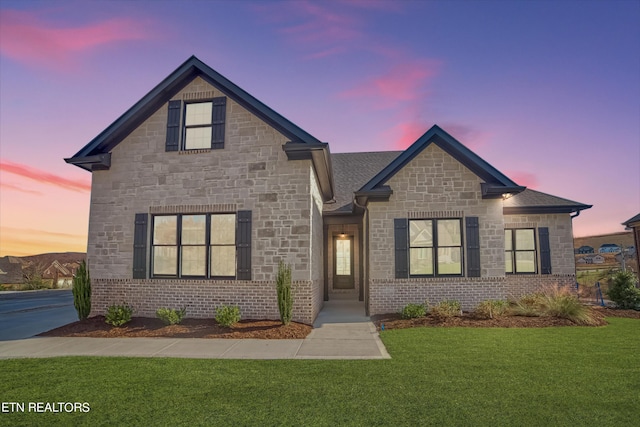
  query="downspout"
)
[{"x": 575, "y": 267}]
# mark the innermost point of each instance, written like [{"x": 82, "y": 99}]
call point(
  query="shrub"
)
[
  {"x": 171, "y": 316},
  {"x": 489, "y": 309},
  {"x": 227, "y": 315},
  {"x": 118, "y": 315},
  {"x": 283, "y": 288},
  {"x": 622, "y": 290},
  {"x": 449, "y": 308},
  {"x": 413, "y": 311},
  {"x": 82, "y": 291},
  {"x": 554, "y": 302}
]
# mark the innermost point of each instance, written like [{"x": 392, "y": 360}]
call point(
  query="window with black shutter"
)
[{"x": 200, "y": 125}]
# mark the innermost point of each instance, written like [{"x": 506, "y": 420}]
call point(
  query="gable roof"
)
[
  {"x": 350, "y": 172},
  {"x": 496, "y": 183},
  {"x": 302, "y": 145},
  {"x": 532, "y": 202},
  {"x": 632, "y": 222}
]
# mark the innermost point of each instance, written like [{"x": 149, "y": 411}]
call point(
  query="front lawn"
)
[{"x": 438, "y": 376}]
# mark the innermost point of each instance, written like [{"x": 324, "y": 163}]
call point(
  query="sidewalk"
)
[{"x": 341, "y": 331}]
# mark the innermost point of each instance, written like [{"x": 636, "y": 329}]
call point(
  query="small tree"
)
[
  {"x": 283, "y": 287},
  {"x": 622, "y": 290},
  {"x": 32, "y": 276},
  {"x": 82, "y": 291}
]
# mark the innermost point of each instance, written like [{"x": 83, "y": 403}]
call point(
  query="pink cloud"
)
[
  {"x": 405, "y": 133},
  {"x": 27, "y": 38},
  {"x": 14, "y": 187},
  {"x": 404, "y": 82},
  {"x": 319, "y": 29},
  {"x": 523, "y": 178},
  {"x": 44, "y": 177}
]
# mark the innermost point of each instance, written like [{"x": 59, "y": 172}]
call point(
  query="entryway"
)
[{"x": 342, "y": 262}]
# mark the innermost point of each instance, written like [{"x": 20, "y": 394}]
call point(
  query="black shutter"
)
[
  {"x": 545, "y": 250},
  {"x": 243, "y": 244},
  {"x": 173, "y": 126},
  {"x": 401, "y": 240},
  {"x": 473, "y": 246},
  {"x": 140, "y": 246},
  {"x": 219, "y": 113}
]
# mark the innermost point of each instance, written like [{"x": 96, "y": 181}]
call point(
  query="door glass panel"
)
[{"x": 343, "y": 257}]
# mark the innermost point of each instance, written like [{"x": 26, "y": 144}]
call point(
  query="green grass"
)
[{"x": 438, "y": 376}]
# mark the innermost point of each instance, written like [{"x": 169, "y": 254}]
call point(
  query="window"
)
[
  {"x": 196, "y": 125},
  {"x": 520, "y": 250},
  {"x": 200, "y": 245},
  {"x": 435, "y": 247}
]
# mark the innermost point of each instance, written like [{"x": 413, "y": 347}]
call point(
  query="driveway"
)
[{"x": 25, "y": 314}]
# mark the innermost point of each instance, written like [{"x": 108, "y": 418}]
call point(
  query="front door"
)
[{"x": 343, "y": 262}]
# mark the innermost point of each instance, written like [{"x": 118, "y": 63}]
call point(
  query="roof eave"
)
[
  {"x": 92, "y": 163},
  {"x": 320, "y": 157},
  {"x": 493, "y": 191},
  {"x": 519, "y": 210}
]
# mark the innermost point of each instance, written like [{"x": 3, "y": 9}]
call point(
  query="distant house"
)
[
  {"x": 585, "y": 250},
  {"x": 634, "y": 225},
  {"x": 59, "y": 273},
  {"x": 10, "y": 270},
  {"x": 598, "y": 259},
  {"x": 585, "y": 260},
  {"x": 609, "y": 248}
]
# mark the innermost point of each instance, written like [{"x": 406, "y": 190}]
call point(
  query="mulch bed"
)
[
  {"x": 272, "y": 329},
  {"x": 468, "y": 320},
  {"x": 189, "y": 328}
]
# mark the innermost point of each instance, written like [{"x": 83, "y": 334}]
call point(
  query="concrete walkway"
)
[{"x": 341, "y": 331}]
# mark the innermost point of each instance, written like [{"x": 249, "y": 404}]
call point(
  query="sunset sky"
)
[{"x": 548, "y": 92}]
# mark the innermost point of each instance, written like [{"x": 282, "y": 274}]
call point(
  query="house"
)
[
  {"x": 598, "y": 259},
  {"x": 634, "y": 225},
  {"x": 60, "y": 274},
  {"x": 609, "y": 248},
  {"x": 585, "y": 250},
  {"x": 199, "y": 190},
  {"x": 10, "y": 270}
]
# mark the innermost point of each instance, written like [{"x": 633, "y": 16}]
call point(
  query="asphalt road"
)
[{"x": 25, "y": 314}]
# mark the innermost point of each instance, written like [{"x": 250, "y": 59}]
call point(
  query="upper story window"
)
[
  {"x": 520, "y": 250},
  {"x": 196, "y": 125},
  {"x": 435, "y": 247}
]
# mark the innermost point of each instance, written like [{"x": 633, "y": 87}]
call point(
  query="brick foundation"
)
[
  {"x": 257, "y": 300},
  {"x": 390, "y": 296}
]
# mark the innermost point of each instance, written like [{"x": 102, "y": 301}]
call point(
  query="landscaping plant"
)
[
  {"x": 171, "y": 316},
  {"x": 283, "y": 288},
  {"x": 448, "y": 308},
  {"x": 82, "y": 291},
  {"x": 554, "y": 301},
  {"x": 489, "y": 309},
  {"x": 118, "y": 315},
  {"x": 227, "y": 315},
  {"x": 623, "y": 291},
  {"x": 413, "y": 311}
]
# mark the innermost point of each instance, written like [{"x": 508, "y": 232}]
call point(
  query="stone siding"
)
[
  {"x": 560, "y": 238},
  {"x": 251, "y": 173},
  {"x": 435, "y": 185}
]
